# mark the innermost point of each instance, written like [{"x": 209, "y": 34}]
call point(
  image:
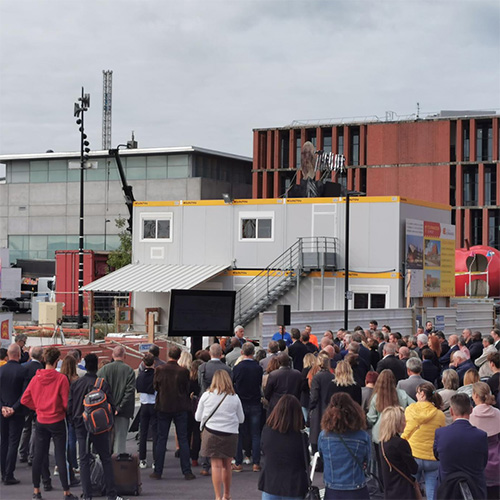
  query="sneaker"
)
[
  {"x": 194, "y": 463},
  {"x": 256, "y": 468},
  {"x": 188, "y": 476},
  {"x": 37, "y": 496},
  {"x": 205, "y": 472},
  {"x": 143, "y": 464},
  {"x": 56, "y": 471},
  {"x": 8, "y": 481},
  {"x": 155, "y": 475},
  {"x": 48, "y": 486},
  {"x": 70, "y": 497},
  {"x": 236, "y": 468},
  {"x": 247, "y": 461}
]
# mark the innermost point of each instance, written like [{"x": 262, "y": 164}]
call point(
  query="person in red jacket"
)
[{"x": 47, "y": 394}]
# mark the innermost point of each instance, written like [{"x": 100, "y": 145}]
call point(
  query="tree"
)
[{"x": 123, "y": 255}]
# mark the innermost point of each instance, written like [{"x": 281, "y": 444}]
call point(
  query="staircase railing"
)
[{"x": 305, "y": 255}]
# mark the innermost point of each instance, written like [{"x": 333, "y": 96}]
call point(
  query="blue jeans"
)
[
  {"x": 180, "y": 421},
  {"x": 268, "y": 496},
  {"x": 429, "y": 470},
  {"x": 251, "y": 425}
]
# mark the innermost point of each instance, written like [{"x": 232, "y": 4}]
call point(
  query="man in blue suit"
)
[
  {"x": 462, "y": 451},
  {"x": 444, "y": 360}
]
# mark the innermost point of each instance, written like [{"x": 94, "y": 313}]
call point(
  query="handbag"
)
[
  {"x": 204, "y": 424},
  {"x": 414, "y": 483},
  {"x": 370, "y": 477},
  {"x": 312, "y": 491}
]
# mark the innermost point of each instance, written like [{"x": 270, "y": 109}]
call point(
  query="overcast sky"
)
[{"x": 206, "y": 73}]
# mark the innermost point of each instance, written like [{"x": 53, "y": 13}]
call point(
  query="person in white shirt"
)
[{"x": 220, "y": 413}]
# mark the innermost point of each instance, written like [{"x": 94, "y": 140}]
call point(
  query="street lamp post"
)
[{"x": 81, "y": 106}]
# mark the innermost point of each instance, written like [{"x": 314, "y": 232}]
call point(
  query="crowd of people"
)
[{"x": 418, "y": 413}]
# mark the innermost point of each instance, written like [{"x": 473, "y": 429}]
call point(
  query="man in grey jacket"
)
[
  {"x": 409, "y": 385},
  {"x": 121, "y": 379},
  {"x": 206, "y": 370}
]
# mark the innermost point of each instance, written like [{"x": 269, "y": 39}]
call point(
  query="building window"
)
[
  {"x": 311, "y": 136},
  {"x": 476, "y": 227},
  {"x": 327, "y": 139},
  {"x": 369, "y": 300},
  {"x": 340, "y": 141},
  {"x": 354, "y": 146},
  {"x": 494, "y": 228},
  {"x": 466, "y": 140},
  {"x": 255, "y": 227},
  {"x": 470, "y": 178},
  {"x": 484, "y": 141},
  {"x": 298, "y": 148},
  {"x": 285, "y": 149},
  {"x": 156, "y": 227},
  {"x": 490, "y": 185}
]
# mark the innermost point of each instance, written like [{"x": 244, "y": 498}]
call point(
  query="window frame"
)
[
  {"x": 157, "y": 217},
  {"x": 257, "y": 216}
]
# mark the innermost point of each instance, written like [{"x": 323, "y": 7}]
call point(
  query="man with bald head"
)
[
  {"x": 444, "y": 360},
  {"x": 121, "y": 379},
  {"x": 12, "y": 417}
]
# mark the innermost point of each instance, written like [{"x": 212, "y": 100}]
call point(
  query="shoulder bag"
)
[
  {"x": 204, "y": 424},
  {"x": 413, "y": 482},
  {"x": 370, "y": 477}
]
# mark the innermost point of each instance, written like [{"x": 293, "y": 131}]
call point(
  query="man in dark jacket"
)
[
  {"x": 461, "y": 364},
  {"x": 390, "y": 362},
  {"x": 285, "y": 380},
  {"x": 444, "y": 360},
  {"x": 476, "y": 345},
  {"x": 101, "y": 442},
  {"x": 450, "y": 443},
  {"x": 297, "y": 350},
  {"x": 171, "y": 382},
  {"x": 247, "y": 378},
  {"x": 13, "y": 412}
]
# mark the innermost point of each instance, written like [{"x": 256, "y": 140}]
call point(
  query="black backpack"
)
[{"x": 97, "y": 412}]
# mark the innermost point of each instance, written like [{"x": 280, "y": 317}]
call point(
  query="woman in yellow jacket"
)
[{"x": 422, "y": 420}]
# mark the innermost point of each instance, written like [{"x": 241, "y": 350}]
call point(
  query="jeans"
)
[
  {"x": 11, "y": 429},
  {"x": 429, "y": 470},
  {"x": 72, "y": 460},
  {"x": 180, "y": 421},
  {"x": 26, "y": 446},
  {"x": 251, "y": 426},
  {"x": 148, "y": 417},
  {"x": 43, "y": 433},
  {"x": 101, "y": 446}
]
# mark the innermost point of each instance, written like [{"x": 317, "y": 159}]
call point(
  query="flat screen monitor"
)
[{"x": 201, "y": 313}]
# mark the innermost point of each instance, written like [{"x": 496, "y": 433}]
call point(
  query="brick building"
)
[{"x": 449, "y": 158}]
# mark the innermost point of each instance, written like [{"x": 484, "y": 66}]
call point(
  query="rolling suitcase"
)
[{"x": 127, "y": 473}]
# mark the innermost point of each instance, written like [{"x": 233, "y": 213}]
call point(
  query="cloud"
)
[{"x": 207, "y": 72}]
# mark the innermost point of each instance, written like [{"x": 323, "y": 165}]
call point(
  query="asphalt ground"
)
[{"x": 172, "y": 485}]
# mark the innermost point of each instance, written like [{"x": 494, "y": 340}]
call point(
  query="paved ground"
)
[{"x": 172, "y": 486}]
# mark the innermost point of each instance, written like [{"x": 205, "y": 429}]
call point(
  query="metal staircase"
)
[{"x": 305, "y": 255}]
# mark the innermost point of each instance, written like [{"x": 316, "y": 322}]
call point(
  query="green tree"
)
[{"x": 123, "y": 255}]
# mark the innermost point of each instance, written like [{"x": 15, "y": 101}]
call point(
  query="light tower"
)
[{"x": 107, "y": 91}]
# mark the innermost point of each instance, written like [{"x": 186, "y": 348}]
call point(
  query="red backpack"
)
[{"x": 97, "y": 412}]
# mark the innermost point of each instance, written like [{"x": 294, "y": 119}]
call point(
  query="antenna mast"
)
[{"x": 107, "y": 91}]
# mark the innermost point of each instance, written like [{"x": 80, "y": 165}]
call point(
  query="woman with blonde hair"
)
[
  {"x": 398, "y": 464},
  {"x": 487, "y": 418},
  {"x": 422, "y": 420},
  {"x": 471, "y": 377},
  {"x": 308, "y": 362},
  {"x": 185, "y": 360},
  {"x": 450, "y": 384},
  {"x": 220, "y": 413},
  {"x": 384, "y": 394},
  {"x": 344, "y": 382}
]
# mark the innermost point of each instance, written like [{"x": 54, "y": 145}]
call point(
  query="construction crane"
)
[{"x": 107, "y": 91}]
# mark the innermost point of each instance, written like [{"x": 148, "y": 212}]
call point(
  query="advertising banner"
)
[
  {"x": 430, "y": 259},
  {"x": 6, "y": 325}
]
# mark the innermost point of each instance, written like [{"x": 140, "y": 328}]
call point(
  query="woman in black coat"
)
[
  {"x": 318, "y": 400},
  {"x": 344, "y": 382},
  {"x": 283, "y": 445},
  {"x": 398, "y": 464}
]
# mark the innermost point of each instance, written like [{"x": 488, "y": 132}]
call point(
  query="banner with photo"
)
[{"x": 430, "y": 259}]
